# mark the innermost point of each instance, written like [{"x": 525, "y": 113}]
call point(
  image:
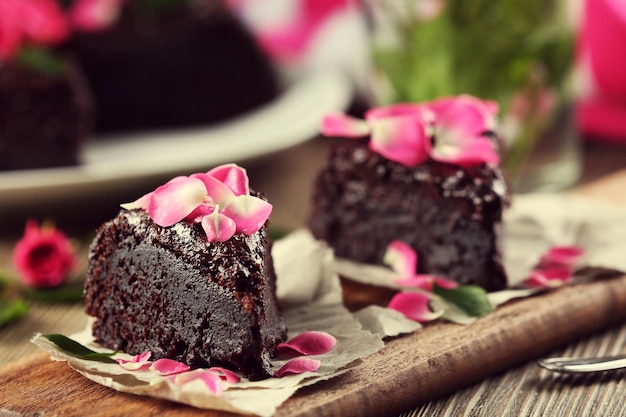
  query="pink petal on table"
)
[
  {"x": 551, "y": 277},
  {"x": 446, "y": 283},
  {"x": 226, "y": 374},
  {"x": 216, "y": 191},
  {"x": 233, "y": 176},
  {"x": 138, "y": 362},
  {"x": 298, "y": 366},
  {"x": 401, "y": 258},
  {"x": 426, "y": 281},
  {"x": 414, "y": 306},
  {"x": 168, "y": 367},
  {"x": 172, "y": 202},
  {"x": 249, "y": 213},
  {"x": 403, "y": 139},
  {"x": 218, "y": 227},
  {"x": 213, "y": 381},
  {"x": 567, "y": 256},
  {"x": 308, "y": 343},
  {"x": 338, "y": 124}
]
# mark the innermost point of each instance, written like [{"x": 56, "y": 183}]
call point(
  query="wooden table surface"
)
[{"x": 286, "y": 177}]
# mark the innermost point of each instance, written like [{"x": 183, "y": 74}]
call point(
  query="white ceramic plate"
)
[{"x": 292, "y": 118}]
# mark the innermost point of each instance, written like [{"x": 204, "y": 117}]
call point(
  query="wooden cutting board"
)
[{"x": 408, "y": 371}]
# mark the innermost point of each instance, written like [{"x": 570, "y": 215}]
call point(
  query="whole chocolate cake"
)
[
  {"x": 448, "y": 211},
  {"x": 171, "y": 65},
  {"x": 172, "y": 291}
]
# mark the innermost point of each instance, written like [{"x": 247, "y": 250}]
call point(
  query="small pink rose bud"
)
[{"x": 43, "y": 256}]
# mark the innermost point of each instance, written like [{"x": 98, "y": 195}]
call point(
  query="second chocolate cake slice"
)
[{"x": 428, "y": 176}]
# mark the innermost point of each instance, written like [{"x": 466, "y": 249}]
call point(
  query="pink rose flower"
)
[
  {"x": 43, "y": 256},
  {"x": 601, "y": 61},
  {"x": 38, "y": 22}
]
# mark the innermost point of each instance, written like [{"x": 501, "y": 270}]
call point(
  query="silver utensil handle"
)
[{"x": 584, "y": 365}]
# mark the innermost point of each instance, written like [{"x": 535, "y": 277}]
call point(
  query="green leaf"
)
[
  {"x": 41, "y": 60},
  {"x": 11, "y": 311},
  {"x": 471, "y": 299},
  {"x": 76, "y": 349}
]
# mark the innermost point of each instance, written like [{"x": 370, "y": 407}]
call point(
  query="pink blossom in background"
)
[
  {"x": 37, "y": 22},
  {"x": 285, "y": 29},
  {"x": 43, "y": 256},
  {"x": 95, "y": 15},
  {"x": 602, "y": 61}
]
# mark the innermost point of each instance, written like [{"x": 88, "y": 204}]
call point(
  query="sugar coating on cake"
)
[
  {"x": 426, "y": 174},
  {"x": 185, "y": 272}
]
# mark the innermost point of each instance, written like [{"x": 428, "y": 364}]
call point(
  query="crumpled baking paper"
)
[
  {"x": 309, "y": 290},
  {"x": 311, "y": 293}
]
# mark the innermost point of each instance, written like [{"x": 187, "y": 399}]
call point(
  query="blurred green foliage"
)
[{"x": 488, "y": 48}]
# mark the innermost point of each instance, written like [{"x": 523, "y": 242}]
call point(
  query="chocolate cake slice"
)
[
  {"x": 425, "y": 174},
  {"x": 174, "y": 292},
  {"x": 450, "y": 215}
]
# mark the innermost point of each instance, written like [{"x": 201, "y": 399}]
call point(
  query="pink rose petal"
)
[
  {"x": 426, "y": 281},
  {"x": 453, "y": 149},
  {"x": 200, "y": 212},
  {"x": 403, "y": 139},
  {"x": 308, "y": 343},
  {"x": 213, "y": 378},
  {"x": 142, "y": 202},
  {"x": 232, "y": 176},
  {"x": 474, "y": 115},
  {"x": 226, "y": 374},
  {"x": 298, "y": 366},
  {"x": 172, "y": 202},
  {"x": 551, "y": 277},
  {"x": 444, "y": 283},
  {"x": 218, "y": 227},
  {"x": 138, "y": 362},
  {"x": 213, "y": 381},
  {"x": 401, "y": 258},
  {"x": 168, "y": 367},
  {"x": 249, "y": 213},
  {"x": 400, "y": 132},
  {"x": 414, "y": 306},
  {"x": 337, "y": 124},
  {"x": 415, "y": 110},
  {"x": 216, "y": 191},
  {"x": 566, "y": 256}
]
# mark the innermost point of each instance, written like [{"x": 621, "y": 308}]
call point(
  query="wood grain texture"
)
[{"x": 409, "y": 371}]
